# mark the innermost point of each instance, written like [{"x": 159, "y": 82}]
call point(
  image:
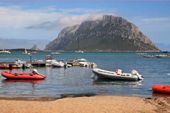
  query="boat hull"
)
[
  {"x": 22, "y": 76},
  {"x": 163, "y": 89},
  {"x": 102, "y": 74}
]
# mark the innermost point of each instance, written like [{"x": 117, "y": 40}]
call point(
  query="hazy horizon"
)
[{"x": 22, "y": 43}]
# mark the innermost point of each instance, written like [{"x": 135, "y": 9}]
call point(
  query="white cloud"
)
[
  {"x": 46, "y": 22},
  {"x": 64, "y": 21},
  {"x": 17, "y": 17},
  {"x": 69, "y": 17}
]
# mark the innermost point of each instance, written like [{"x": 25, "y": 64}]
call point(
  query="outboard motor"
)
[
  {"x": 135, "y": 72},
  {"x": 34, "y": 71}
]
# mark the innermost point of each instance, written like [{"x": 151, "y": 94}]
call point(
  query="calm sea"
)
[{"x": 78, "y": 80}]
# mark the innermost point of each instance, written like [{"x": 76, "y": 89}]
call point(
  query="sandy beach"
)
[{"x": 94, "y": 104}]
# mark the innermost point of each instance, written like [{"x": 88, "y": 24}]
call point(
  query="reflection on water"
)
[
  {"x": 111, "y": 82},
  {"x": 12, "y": 82}
]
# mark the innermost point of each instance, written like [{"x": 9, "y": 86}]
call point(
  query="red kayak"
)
[
  {"x": 23, "y": 75},
  {"x": 157, "y": 88}
]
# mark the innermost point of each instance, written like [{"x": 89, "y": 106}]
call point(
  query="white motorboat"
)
[
  {"x": 57, "y": 64},
  {"x": 48, "y": 60},
  {"x": 118, "y": 75},
  {"x": 55, "y": 53},
  {"x": 5, "y": 51},
  {"x": 21, "y": 63},
  {"x": 84, "y": 63},
  {"x": 26, "y": 52},
  {"x": 79, "y": 51},
  {"x": 163, "y": 56}
]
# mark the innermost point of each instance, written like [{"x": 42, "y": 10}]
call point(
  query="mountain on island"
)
[{"x": 109, "y": 34}]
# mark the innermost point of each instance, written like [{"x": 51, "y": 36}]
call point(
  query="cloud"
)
[
  {"x": 65, "y": 21},
  {"x": 17, "y": 17},
  {"x": 46, "y": 18},
  {"x": 69, "y": 17}
]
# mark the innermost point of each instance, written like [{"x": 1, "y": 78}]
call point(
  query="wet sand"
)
[{"x": 94, "y": 104}]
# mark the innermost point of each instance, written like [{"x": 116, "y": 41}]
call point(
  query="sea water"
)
[{"x": 79, "y": 80}]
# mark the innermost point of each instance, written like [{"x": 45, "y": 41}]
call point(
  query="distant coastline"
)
[
  {"x": 22, "y": 49},
  {"x": 98, "y": 51}
]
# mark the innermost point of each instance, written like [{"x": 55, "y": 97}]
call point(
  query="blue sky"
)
[{"x": 43, "y": 19}]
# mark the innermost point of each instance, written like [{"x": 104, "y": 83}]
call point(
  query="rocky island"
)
[{"x": 109, "y": 34}]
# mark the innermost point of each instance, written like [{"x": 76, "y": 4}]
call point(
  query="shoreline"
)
[
  {"x": 63, "y": 96},
  {"x": 46, "y": 98},
  {"x": 87, "y": 104}
]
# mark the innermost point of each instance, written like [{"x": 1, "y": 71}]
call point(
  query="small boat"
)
[
  {"x": 23, "y": 75},
  {"x": 58, "y": 64},
  {"x": 26, "y": 52},
  {"x": 148, "y": 56},
  {"x": 118, "y": 75},
  {"x": 48, "y": 60},
  {"x": 83, "y": 62},
  {"x": 162, "y": 56},
  {"x": 79, "y": 51},
  {"x": 21, "y": 63},
  {"x": 55, "y": 53},
  {"x": 5, "y": 51},
  {"x": 164, "y": 89},
  {"x": 7, "y": 66}
]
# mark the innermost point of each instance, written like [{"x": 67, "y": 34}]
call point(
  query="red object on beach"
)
[
  {"x": 6, "y": 66},
  {"x": 164, "y": 89},
  {"x": 22, "y": 76}
]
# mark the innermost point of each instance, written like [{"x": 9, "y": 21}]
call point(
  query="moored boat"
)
[
  {"x": 158, "y": 88},
  {"x": 58, "y": 64},
  {"x": 118, "y": 75},
  {"x": 20, "y": 64},
  {"x": 8, "y": 66},
  {"x": 163, "y": 56},
  {"x": 79, "y": 51},
  {"x": 26, "y": 52},
  {"x": 55, "y": 53},
  {"x": 5, "y": 51},
  {"x": 23, "y": 75}
]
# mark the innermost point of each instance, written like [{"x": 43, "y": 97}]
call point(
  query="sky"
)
[{"x": 44, "y": 19}]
